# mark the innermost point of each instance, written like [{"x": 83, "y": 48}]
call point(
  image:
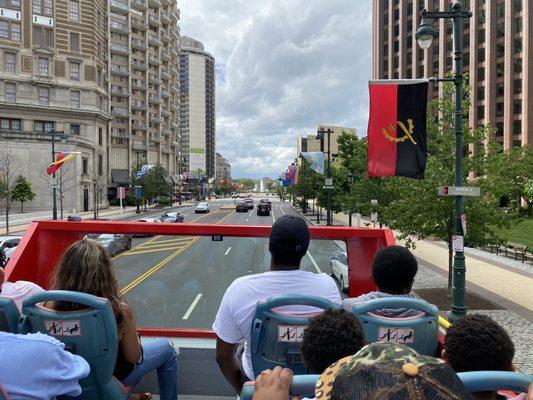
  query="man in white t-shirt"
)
[
  {"x": 289, "y": 240},
  {"x": 18, "y": 291}
]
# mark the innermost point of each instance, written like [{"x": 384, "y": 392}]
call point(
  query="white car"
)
[
  {"x": 202, "y": 207},
  {"x": 8, "y": 244},
  {"x": 339, "y": 270}
]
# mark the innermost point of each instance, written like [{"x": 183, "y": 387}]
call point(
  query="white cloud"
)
[{"x": 283, "y": 67}]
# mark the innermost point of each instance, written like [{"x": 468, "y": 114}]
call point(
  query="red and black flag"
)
[{"x": 397, "y": 128}]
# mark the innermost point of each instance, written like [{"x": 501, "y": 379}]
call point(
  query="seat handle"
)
[
  {"x": 66, "y": 295},
  {"x": 296, "y": 300},
  {"x": 482, "y": 381},
  {"x": 395, "y": 302}
]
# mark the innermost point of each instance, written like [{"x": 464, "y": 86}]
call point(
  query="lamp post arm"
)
[{"x": 445, "y": 14}]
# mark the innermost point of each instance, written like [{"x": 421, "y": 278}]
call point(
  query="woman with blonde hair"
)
[{"x": 86, "y": 267}]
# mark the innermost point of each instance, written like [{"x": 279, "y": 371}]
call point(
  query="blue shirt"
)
[{"x": 36, "y": 366}]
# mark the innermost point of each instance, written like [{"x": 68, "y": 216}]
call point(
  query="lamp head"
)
[
  {"x": 425, "y": 32},
  {"x": 350, "y": 177}
]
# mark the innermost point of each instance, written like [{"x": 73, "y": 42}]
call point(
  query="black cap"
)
[{"x": 290, "y": 234}]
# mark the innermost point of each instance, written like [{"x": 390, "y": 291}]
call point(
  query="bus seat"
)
[
  {"x": 3, "y": 393},
  {"x": 90, "y": 333},
  {"x": 276, "y": 336},
  {"x": 9, "y": 315},
  {"x": 484, "y": 381},
  {"x": 419, "y": 332}
]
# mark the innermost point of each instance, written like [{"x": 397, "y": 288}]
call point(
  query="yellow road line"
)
[
  {"x": 155, "y": 268},
  {"x": 155, "y": 250},
  {"x": 167, "y": 242},
  {"x": 133, "y": 248}
]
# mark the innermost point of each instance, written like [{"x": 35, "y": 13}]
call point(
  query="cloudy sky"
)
[{"x": 283, "y": 67}]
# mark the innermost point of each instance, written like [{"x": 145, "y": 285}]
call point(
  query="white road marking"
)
[
  {"x": 314, "y": 262},
  {"x": 273, "y": 218},
  {"x": 191, "y": 307},
  {"x": 247, "y": 219},
  {"x": 250, "y": 213},
  {"x": 281, "y": 210},
  {"x": 227, "y": 251}
]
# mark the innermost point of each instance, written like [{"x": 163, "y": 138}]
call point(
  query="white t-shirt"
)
[
  {"x": 237, "y": 308},
  {"x": 35, "y": 367},
  {"x": 20, "y": 291}
]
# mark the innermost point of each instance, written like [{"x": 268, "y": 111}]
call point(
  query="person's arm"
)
[
  {"x": 226, "y": 360},
  {"x": 129, "y": 340},
  {"x": 273, "y": 385}
]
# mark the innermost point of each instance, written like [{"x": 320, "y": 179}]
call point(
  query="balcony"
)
[
  {"x": 155, "y": 119},
  {"x": 166, "y": 132},
  {"x": 165, "y": 18},
  {"x": 165, "y": 94},
  {"x": 120, "y": 91},
  {"x": 137, "y": 145},
  {"x": 154, "y": 3},
  {"x": 155, "y": 138},
  {"x": 120, "y": 70},
  {"x": 154, "y": 40},
  {"x": 154, "y": 60},
  {"x": 154, "y": 21},
  {"x": 165, "y": 37},
  {"x": 138, "y": 105},
  {"x": 119, "y": 7},
  {"x": 139, "y": 86},
  {"x": 175, "y": 143},
  {"x": 166, "y": 112},
  {"x": 119, "y": 134},
  {"x": 118, "y": 27},
  {"x": 120, "y": 112},
  {"x": 139, "y": 4},
  {"x": 165, "y": 148},
  {"x": 154, "y": 79},
  {"x": 154, "y": 99},
  {"x": 139, "y": 126},
  {"x": 138, "y": 44},
  {"x": 138, "y": 23},
  {"x": 165, "y": 56},
  {"x": 165, "y": 75},
  {"x": 139, "y": 65},
  {"x": 119, "y": 48}
]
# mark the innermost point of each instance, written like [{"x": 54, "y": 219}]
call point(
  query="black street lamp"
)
[
  {"x": 63, "y": 137},
  {"x": 350, "y": 181},
  {"x": 424, "y": 36},
  {"x": 320, "y": 136}
]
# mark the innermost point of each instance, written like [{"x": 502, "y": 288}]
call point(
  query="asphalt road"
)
[{"x": 178, "y": 281}]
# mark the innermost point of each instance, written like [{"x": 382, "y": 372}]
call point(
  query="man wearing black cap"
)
[{"x": 288, "y": 243}]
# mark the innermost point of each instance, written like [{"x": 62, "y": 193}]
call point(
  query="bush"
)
[{"x": 163, "y": 202}]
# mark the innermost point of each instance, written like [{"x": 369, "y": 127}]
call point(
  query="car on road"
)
[
  {"x": 339, "y": 270},
  {"x": 146, "y": 220},
  {"x": 249, "y": 203},
  {"x": 202, "y": 207},
  {"x": 266, "y": 201},
  {"x": 172, "y": 216},
  {"x": 263, "y": 209},
  {"x": 241, "y": 206},
  {"x": 113, "y": 243}
]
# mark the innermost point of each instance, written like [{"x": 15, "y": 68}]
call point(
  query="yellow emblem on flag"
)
[{"x": 407, "y": 130}]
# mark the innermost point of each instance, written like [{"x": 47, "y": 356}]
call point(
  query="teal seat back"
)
[
  {"x": 9, "y": 315},
  {"x": 90, "y": 333},
  {"x": 419, "y": 332},
  {"x": 3, "y": 393},
  {"x": 276, "y": 337}
]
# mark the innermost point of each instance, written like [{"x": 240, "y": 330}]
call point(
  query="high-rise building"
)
[
  {"x": 497, "y": 57},
  {"x": 223, "y": 169},
  {"x": 53, "y": 77},
  {"x": 197, "y": 102},
  {"x": 311, "y": 143},
  {"x": 143, "y": 85}
]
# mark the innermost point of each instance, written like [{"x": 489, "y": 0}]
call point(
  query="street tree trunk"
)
[{"x": 21, "y": 207}]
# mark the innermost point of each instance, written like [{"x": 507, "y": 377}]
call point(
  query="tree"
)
[
  {"x": 10, "y": 168},
  {"x": 154, "y": 183},
  {"x": 22, "y": 192},
  {"x": 247, "y": 184}
]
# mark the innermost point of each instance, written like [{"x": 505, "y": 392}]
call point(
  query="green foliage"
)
[
  {"x": 521, "y": 232},
  {"x": 22, "y": 192},
  {"x": 247, "y": 184},
  {"x": 154, "y": 183}
]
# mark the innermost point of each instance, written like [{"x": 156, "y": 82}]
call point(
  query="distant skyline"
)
[{"x": 283, "y": 67}]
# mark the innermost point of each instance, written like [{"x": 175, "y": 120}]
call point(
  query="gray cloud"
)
[{"x": 283, "y": 67}]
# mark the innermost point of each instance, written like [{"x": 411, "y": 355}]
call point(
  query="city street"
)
[{"x": 176, "y": 281}]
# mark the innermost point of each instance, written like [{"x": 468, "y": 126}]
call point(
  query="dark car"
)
[
  {"x": 241, "y": 206},
  {"x": 263, "y": 209},
  {"x": 266, "y": 201},
  {"x": 113, "y": 243},
  {"x": 172, "y": 216},
  {"x": 249, "y": 203}
]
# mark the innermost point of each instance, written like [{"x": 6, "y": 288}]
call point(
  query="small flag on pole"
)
[
  {"x": 397, "y": 128},
  {"x": 143, "y": 171},
  {"x": 61, "y": 158}
]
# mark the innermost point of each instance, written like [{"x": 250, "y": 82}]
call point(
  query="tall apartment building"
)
[
  {"x": 311, "y": 143},
  {"x": 197, "y": 102},
  {"x": 223, "y": 167},
  {"x": 497, "y": 56},
  {"x": 53, "y": 77},
  {"x": 143, "y": 85}
]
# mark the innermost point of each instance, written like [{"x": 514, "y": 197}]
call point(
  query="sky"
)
[{"x": 283, "y": 68}]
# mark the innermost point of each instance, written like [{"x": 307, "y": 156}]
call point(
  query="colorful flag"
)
[
  {"x": 61, "y": 158},
  {"x": 397, "y": 128},
  {"x": 317, "y": 160},
  {"x": 143, "y": 171}
]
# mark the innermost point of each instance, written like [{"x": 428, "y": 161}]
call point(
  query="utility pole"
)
[
  {"x": 328, "y": 186},
  {"x": 54, "y": 181}
]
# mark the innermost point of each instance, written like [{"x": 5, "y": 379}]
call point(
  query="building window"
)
[
  {"x": 74, "y": 10},
  {"x": 517, "y": 127},
  {"x": 481, "y": 54},
  {"x": 37, "y": 6},
  {"x": 517, "y": 107},
  {"x": 517, "y": 45},
  {"x": 517, "y": 65},
  {"x": 499, "y": 109},
  {"x": 10, "y": 30},
  {"x": 84, "y": 166},
  {"x": 480, "y": 111},
  {"x": 100, "y": 136},
  {"x": 43, "y": 126},
  {"x": 43, "y": 66},
  {"x": 481, "y": 93},
  {"x": 481, "y": 36},
  {"x": 43, "y": 7},
  {"x": 10, "y": 62},
  {"x": 74, "y": 129},
  {"x": 44, "y": 96},
  {"x": 74, "y": 42},
  {"x": 43, "y": 37},
  {"x": 15, "y": 32},
  {"x": 517, "y": 86},
  {"x": 11, "y": 124},
  {"x": 518, "y": 25},
  {"x": 12, "y": 4},
  {"x": 75, "y": 99},
  {"x": 4, "y": 29},
  {"x": 500, "y": 70},
  {"x": 481, "y": 74},
  {"x": 100, "y": 165},
  {"x": 10, "y": 94},
  {"x": 74, "y": 71}
]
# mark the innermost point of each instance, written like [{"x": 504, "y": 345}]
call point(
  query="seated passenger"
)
[
  {"x": 288, "y": 243},
  {"x": 330, "y": 336},
  {"x": 36, "y": 366},
  {"x": 477, "y": 343},
  {"x": 19, "y": 290},
  {"x": 86, "y": 267},
  {"x": 393, "y": 271}
]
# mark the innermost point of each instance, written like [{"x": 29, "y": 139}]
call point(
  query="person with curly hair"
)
[
  {"x": 477, "y": 343},
  {"x": 330, "y": 336}
]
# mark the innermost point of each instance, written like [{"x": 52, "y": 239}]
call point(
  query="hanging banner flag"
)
[
  {"x": 143, "y": 171},
  {"x": 61, "y": 158},
  {"x": 397, "y": 128},
  {"x": 316, "y": 158}
]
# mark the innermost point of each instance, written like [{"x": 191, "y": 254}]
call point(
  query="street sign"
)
[
  {"x": 470, "y": 191},
  {"x": 374, "y": 202},
  {"x": 458, "y": 243},
  {"x": 327, "y": 187},
  {"x": 138, "y": 192},
  {"x": 329, "y": 181},
  {"x": 53, "y": 183},
  {"x": 121, "y": 192},
  {"x": 374, "y": 217}
]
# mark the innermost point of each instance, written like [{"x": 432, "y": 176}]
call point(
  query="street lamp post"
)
[
  {"x": 424, "y": 36},
  {"x": 53, "y": 132},
  {"x": 320, "y": 135},
  {"x": 350, "y": 181}
]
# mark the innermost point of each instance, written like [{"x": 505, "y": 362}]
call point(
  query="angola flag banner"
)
[{"x": 397, "y": 128}]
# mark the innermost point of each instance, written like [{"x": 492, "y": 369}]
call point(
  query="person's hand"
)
[
  {"x": 273, "y": 385},
  {"x": 530, "y": 392}
]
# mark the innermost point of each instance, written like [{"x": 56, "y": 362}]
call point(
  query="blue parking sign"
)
[{"x": 138, "y": 192}]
